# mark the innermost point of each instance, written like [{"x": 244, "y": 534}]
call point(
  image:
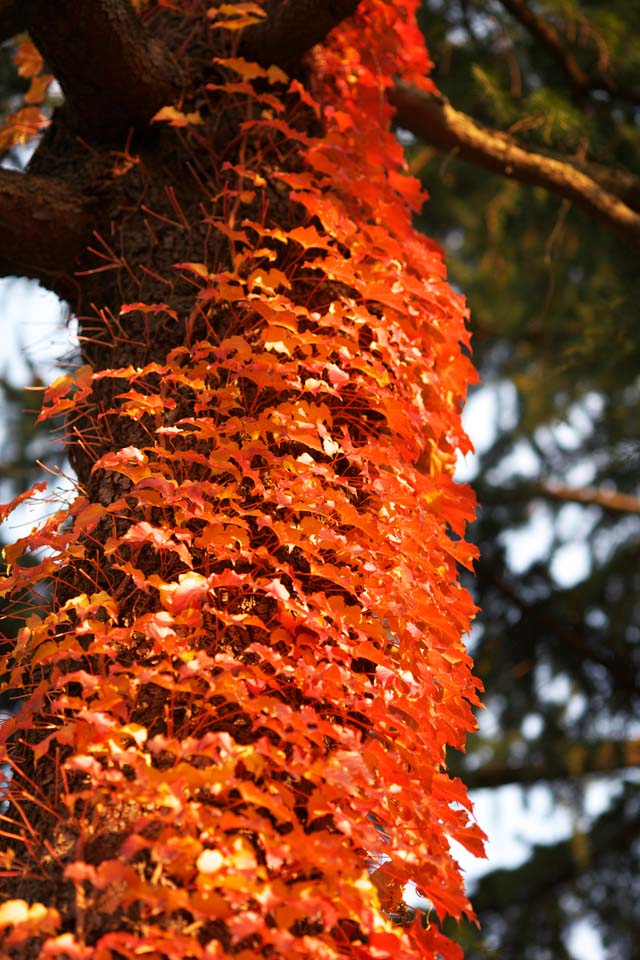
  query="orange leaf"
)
[{"x": 176, "y": 118}]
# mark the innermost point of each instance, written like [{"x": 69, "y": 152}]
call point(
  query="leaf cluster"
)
[{"x": 237, "y": 712}]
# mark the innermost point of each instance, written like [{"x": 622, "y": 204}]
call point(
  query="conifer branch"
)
[
  {"x": 551, "y": 865},
  {"x": 434, "y": 120},
  {"x": 550, "y": 38},
  {"x": 292, "y": 28},
  {"x": 114, "y": 77},
  {"x": 570, "y": 759},
  {"x": 44, "y": 226},
  {"x": 567, "y": 633},
  {"x": 13, "y": 18}
]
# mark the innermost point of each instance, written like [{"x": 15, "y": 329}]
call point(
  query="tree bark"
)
[
  {"x": 291, "y": 29},
  {"x": 13, "y": 18},
  {"x": 611, "y": 500},
  {"x": 596, "y": 496},
  {"x": 114, "y": 77},
  {"x": 44, "y": 228}
]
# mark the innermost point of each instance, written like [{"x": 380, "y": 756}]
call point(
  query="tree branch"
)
[
  {"x": 621, "y": 669},
  {"x": 609, "y": 499},
  {"x": 114, "y": 77},
  {"x": 622, "y": 184},
  {"x": 570, "y": 760},
  {"x": 552, "y": 865},
  {"x": 13, "y": 18},
  {"x": 44, "y": 227},
  {"x": 596, "y": 496},
  {"x": 549, "y": 37},
  {"x": 434, "y": 120},
  {"x": 291, "y": 29}
]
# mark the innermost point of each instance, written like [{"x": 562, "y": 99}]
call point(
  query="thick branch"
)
[
  {"x": 44, "y": 226},
  {"x": 579, "y": 81},
  {"x": 590, "y": 496},
  {"x": 113, "y": 76},
  {"x": 622, "y": 184},
  {"x": 435, "y": 121},
  {"x": 13, "y": 18},
  {"x": 569, "y": 760},
  {"x": 609, "y": 499},
  {"x": 291, "y": 28}
]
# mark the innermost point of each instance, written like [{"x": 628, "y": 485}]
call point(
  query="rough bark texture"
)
[
  {"x": 290, "y": 29},
  {"x": 114, "y": 76},
  {"x": 44, "y": 228}
]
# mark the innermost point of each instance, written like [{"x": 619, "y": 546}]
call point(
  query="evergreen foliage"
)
[{"x": 554, "y": 313}]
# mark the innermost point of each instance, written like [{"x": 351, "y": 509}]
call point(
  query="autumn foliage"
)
[{"x": 234, "y": 736}]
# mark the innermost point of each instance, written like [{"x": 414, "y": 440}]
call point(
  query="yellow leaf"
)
[
  {"x": 250, "y": 71},
  {"x": 198, "y": 268},
  {"x": 240, "y": 15},
  {"x": 27, "y": 920},
  {"x": 177, "y": 118},
  {"x": 268, "y": 280},
  {"x": 138, "y": 732}
]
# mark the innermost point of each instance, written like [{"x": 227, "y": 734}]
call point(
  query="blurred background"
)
[
  {"x": 554, "y": 297},
  {"x": 555, "y": 315}
]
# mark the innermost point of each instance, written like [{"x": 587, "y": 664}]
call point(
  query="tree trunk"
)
[{"x": 238, "y": 707}]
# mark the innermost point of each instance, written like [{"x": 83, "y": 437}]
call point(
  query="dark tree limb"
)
[
  {"x": 13, "y": 18},
  {"x": 570, "y": 759},
  {"x": 580, "y": 82},
  {"x": 622, "y": 671},
  {"x": 44, "y": 227},
  {"x": 114, "y": 77},
  {"x": 291, "y": 28},
  {"x": 434, "y": 120}
]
